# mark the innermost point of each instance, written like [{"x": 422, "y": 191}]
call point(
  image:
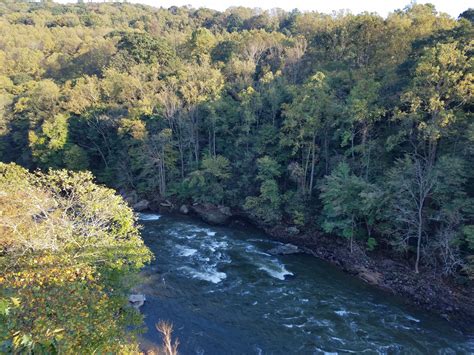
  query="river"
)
[{"x": 225, "y": 294}]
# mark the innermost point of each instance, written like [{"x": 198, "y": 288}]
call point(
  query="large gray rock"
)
[
  {"x": 292, "y": 231},
  {"x": 136, "y": 300},
  {"x": 141, "y": 205},
  {"x": 213, "y": 214},
  {"x": 184, "y": 209},
  {"x": 130, "y": 197},
  {"x": 285, "y": 249}
]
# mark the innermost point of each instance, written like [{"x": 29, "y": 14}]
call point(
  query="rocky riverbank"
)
[{"x": 426, "y": 290}]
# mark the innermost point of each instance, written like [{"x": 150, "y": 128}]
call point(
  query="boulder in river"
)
[
  {"x": 213, "y": 214},
  {"x": 184, "y": 209},
  {"x": 137, "y": 300},
  {"x": 285, "y": 249},
  {"x": 141, "y": 205}
]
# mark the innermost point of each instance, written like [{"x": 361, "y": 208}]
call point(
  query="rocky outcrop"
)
[
  {"x": 141, "y": 205},
  {"x": 130, "y": 197},
  {"x": 292, "y": 231},
  {"x": 212, "y": 214},
  {"x": 285, "y": 249},
  {"x": 370, "y": 276},
  {"x": 137, "y": 300}
]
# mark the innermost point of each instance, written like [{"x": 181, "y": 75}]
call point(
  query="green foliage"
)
[
  {"x": 348, "y": 201},
  {"x": 256, "y": 110},
  {"x": 143, "y": 48},
  {"x": 267, "y": 205},
  {"x": 76, "y": 158},
  {"x": 70, "y": 250},
  {"x": 48, "y": 145},
  {"x": 208, "y": 183}
]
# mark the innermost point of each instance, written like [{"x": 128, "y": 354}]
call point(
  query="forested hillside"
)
[{"x": 357, "y": 126}]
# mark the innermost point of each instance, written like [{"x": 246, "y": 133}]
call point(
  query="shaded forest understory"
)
[{"x": 355, "y": 131}]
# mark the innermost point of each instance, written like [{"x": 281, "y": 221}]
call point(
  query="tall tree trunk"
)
[
  {"x": 352, "y": 143},
  {"x": 181, "y": 156},
  {"x": 326, "y": 152},
  {"x": 163, "y": 172},
  {"x": 352, "y": 232},
  {"x": 418, "y": 243},
  {"x": 209, "y": 142},
  {"x": 313, "y": 162},
  {"x": 306, "y": 167},
  {"x": 214, "y": 139}
]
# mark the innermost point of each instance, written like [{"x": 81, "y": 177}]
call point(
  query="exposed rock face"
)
[
  {"x": 213, "y": 214},
  {"x": 370, "y": 276},
  {"x": 129, "y": 196},
  {"x": 137, "y": 300},
  {"x": 292, "y": 231},
  {"x": 142, "y": 205},
  {"x": 184, "y": 209},
  {"x": 166, "y": 204},
  {"x": 285, "y": 249}
]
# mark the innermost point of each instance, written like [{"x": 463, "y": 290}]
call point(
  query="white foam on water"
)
[
  {"x": 258, "y": 240},
  {"x": 412, "y": 318},
  {"x": 276, "y": 270},
  {"x": 185, "y": 251},
  {"x": 223, "y": 258},
  {"x": 344, "y": 313},
  {"x": 148, "y": 217},
  {"x": 326, "y": 352},
  {"x": 214, "y": 245},
  {"x": 252, "y": 249},
  {"x": 338, "y": 340},
  {"x": 294, "y": 325},
  {"x": 207, "y": 231},
  {"x": 209, "y": 274}
]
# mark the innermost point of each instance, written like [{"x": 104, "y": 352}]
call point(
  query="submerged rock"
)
[
  {"x": 285, "y": 249},
  {"x": 213, "y": 214},
  {"x": 137, "y": 300},
  {"x": 142, "y": 205}
]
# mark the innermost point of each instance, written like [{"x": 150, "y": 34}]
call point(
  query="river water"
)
[{"x": 225, "y": 294}]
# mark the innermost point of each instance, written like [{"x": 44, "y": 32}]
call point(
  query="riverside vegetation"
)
[{"x": 355, "y": 127}]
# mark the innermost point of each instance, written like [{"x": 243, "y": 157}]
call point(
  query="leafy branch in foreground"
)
[{"x": 69, "y": 253}]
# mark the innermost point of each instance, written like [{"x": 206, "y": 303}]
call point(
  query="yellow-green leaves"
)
[
  {"x": 69, "y": 249},
  {"x": 443, "y": 81}
]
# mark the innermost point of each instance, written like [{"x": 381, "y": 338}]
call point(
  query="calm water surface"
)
[{"x": 226, "y": 295}]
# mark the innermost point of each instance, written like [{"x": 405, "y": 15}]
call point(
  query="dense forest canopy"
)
[{"x": 356, "y": 125}]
